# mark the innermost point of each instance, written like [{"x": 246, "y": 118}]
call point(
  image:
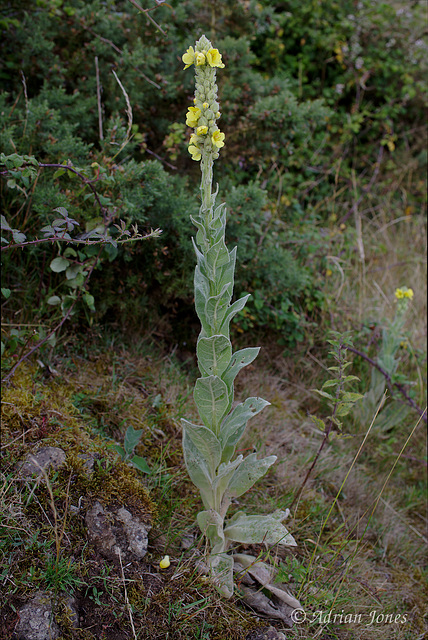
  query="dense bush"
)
[{"x": 312, "y": 91}]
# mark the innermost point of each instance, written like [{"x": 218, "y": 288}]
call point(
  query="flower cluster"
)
[
  {"x": 404, "y": 293},
  {"x": 207, "y": 138}
]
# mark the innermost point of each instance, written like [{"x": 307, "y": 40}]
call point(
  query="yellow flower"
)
[
  {"x": 164, "y": 563},
  {"x": 192, "y": 116},
  {"x": 195, "y": 152},
  {"x": 193, "y": 139},
  {"x": 217, "y": 139},
  {"x": 404, "y": 293},
  {"x": 199, "y": 59},
  {"x": 201, "y": 131},
  {"x": 188, "y": 57},
  {"x": 214, "y": 58}
]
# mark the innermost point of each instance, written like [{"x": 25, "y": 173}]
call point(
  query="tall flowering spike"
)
[
  {"x": 204, "y": 113},
  {"x": 209, "y": 447}
]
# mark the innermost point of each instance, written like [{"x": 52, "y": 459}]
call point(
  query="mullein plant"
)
[{"x": 209, "y": 448}]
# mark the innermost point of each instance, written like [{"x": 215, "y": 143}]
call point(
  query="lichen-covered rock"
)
[
  {"x": 36, "y": 620},
  {"x": 117, "y": 533},
  {"x": 43, "y": 459}
]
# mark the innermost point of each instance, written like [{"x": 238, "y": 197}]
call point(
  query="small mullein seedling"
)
[
  {"x": 209, "y": 448},
  {"x": 132, "y": 438}
]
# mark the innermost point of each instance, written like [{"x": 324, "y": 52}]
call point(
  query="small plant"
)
[
  {"x": 340, "y": 401},
  {"x": 132, "y": 438},
  {"x": 385, "y": 371},
  {"x": 209, "y": 448}
]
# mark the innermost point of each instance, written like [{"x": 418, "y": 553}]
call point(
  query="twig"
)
[
  {"x": 409, "y": 400},
  {"x": 100, "y": 113},
  {"x": 148, "y": 16}
]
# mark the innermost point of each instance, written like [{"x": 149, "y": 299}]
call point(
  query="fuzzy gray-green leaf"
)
[
  {"x": 206, "y": 444},
  {"x": 214, "y": 354},
  {"x": 249, "y": 471},
  {"x": 240, "y": 359},
  {"x": 217, "y": 307},
  {"x": 234, "y": 425},
  {"x": 258, "y": 529},
  {"x": 212, "y": 399}
]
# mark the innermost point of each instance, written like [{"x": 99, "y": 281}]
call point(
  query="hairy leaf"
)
[
  {"x": 214, "y": 354},
  {"x": 212, "y": 399},
  {"x": 248, "y": 472},
  {"x": 258, "y": 529}
]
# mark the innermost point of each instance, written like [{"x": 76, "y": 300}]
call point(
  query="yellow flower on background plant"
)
[
  {"x": 214, "y": 58},
  {"x": 404, "y": 293},
  {"x": 195, "y": 152},
  {"x": 217, "y": 139},
  {"x": 202, "y": 130},
  {"x": 193, "y": 116},
  {"x": 188, "y": 57}
]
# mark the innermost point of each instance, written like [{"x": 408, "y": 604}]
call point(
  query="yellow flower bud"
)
[
  {"x": 205, "y": 105},
  {"x": 164, "y": 563},
  {"x": 199, "y": 59}
]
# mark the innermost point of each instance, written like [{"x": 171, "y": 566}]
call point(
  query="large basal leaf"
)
[
  {"x": 206, "y": 444},
  {"x": 248, "y": 472},
  {"x": 234, "y": 425},
  {"x": 259, "y": 529},
  {"x": 240, "y": 359},
  {"x": 212, "y": 399},
  {"x": 214, "y": 355}
]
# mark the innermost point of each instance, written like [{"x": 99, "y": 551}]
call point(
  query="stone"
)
[
  {"x": 117, "y": 533},
  {"x": 44, "y": 458},
  {"x": 36, "y": 620}
]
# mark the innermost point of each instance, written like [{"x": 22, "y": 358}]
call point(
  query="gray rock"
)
[
  {"x": 117, "y": 533},
  {"x": 36, "y": 620},
  {"x": 42, "y": 459},
  {"x": 136, "y": 533}
]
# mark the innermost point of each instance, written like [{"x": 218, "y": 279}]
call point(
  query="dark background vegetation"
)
[{"x": 322, "y": 105}]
